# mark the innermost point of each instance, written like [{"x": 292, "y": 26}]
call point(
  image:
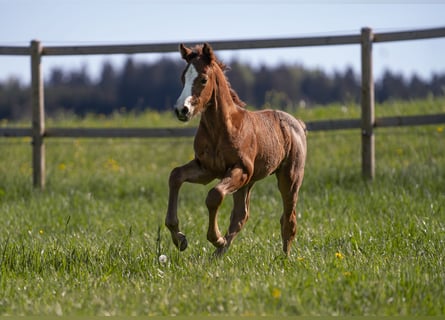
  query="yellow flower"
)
[
  {"x": 276, "y": 293},
  {"x": 440, "y": 129},
  {"x": 112, "y": 165},
  {"x": 62, "y": 166},
  {"x": 41, "y": 231},
  {"x": 339, "y": 255}
]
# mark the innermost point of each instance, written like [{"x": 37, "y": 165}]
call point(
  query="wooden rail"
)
[
  {"x": 320, "y": 125},
  {"x": 366, "y": 123},
  {"x": 230, "y": 44}
]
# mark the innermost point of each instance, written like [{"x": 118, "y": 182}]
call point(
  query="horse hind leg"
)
[{"x": 289, "y": 182}]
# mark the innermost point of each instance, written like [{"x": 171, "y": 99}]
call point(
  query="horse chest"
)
[{"x": 215, "y": 157}]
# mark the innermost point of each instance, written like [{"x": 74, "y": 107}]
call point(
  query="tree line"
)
[{"x": 156, "y": 85}]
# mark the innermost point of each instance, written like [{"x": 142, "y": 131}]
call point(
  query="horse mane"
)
[{"x": 197, "y": 51}]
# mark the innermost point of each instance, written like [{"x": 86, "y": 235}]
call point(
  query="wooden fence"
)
[{"x": 367, "y": 123}]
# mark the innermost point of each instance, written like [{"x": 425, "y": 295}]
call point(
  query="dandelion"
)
[
  {"x": 339, "y": 255},
  {"x": 440, "y": 129},
  {"x": 112, "y": 165},
  {"x": 62, "y": 166},
  {"x": 41, "y": 231},
  {"x": 276, "y": 293}
]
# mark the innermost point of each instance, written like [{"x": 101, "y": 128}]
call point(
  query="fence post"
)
[
  {"x": 367, "y": 102},
  {"x": 38, "y": 116}
]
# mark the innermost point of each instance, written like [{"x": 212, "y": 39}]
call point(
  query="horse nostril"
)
[{"x": 185, "y": 111}]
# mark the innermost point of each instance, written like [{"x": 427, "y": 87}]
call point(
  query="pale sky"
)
[{"x": 73, "y": 22}]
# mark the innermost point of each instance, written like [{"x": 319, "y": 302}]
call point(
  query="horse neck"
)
[{"x": 221, "y": 107}]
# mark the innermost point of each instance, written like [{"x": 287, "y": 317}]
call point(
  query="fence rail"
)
[
  {"x": 366, "y": 123},
  {"x": 320, "y": 125},
  {"x": 229, "y": 44}
]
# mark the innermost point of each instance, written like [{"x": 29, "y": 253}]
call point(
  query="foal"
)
[{"x": 236, "y": 146}]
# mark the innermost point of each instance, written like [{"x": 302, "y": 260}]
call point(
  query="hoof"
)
[
  {"x": 222, "y": 245},
  {"x": 286, "y": 248},
  {"x": 182, "y": 241},
  {"x": 179, "y": 240},
  {"x": 219, "y": 252}
]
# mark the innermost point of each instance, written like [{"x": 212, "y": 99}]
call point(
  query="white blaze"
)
[{"x": 185, "y": 98}]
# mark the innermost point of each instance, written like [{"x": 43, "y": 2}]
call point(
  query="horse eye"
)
[{"x": 204, "y": 81}]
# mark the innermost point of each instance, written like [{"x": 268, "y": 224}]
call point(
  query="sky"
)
[{"x": 95, "y": 22}]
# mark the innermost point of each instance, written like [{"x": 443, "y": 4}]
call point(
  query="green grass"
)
[{"x": 88, "y": 244}]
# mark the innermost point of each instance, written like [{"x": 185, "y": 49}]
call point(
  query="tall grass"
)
[{"x": 89, "y": 244}]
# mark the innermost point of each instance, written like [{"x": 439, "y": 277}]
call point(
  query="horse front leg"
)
[
  {"x": 235, "y": 180},
  {"x": 190, "y": 172},
  {"x": 240, "y": 212}
]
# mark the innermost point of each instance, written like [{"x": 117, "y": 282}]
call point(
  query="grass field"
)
[{"x": 89, "y": 244}]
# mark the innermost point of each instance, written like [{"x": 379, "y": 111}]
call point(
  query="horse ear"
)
[
  {"x": 207, "y": 53},
  {"x": 185, "y": 52}
]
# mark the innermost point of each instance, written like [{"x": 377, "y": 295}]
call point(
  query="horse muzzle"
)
[
  {"x": 184, "y": 109},
  {"x": 183, "y": 114}
]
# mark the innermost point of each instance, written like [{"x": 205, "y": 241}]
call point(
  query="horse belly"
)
[
  {"x": 269, "y": 157},
  {"x": 265, "y": 166},
  {"x": 271, "y": 145}
]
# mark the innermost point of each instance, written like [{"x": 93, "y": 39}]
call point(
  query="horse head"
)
[{"x": 198, "y": 81}]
